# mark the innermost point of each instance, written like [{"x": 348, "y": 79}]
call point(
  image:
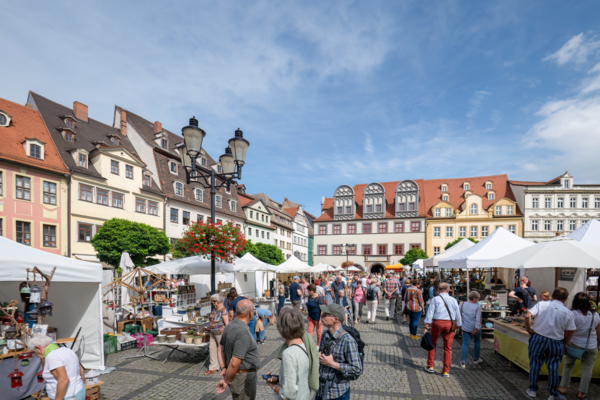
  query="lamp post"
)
[
  {"x": 347, "y": 248},
  {"x": 231, "y": 166}
]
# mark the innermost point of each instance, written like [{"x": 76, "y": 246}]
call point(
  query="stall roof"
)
[
  {"x": 500, "y": 243},
  {"x": 293, "y": 264},
  {"x": 196, "y": 265},
  {"x": 457, "y": 248},
  {"x": 587, "y": 233},
  {"x": 15, "y": 258}
]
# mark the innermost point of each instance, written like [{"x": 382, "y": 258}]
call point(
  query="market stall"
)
[{"x": 589, "y": 233}]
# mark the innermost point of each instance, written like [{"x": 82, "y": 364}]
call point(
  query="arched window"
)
[{"x": 473, "y": 208}]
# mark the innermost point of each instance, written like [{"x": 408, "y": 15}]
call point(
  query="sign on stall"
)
[{"x": 566, "y": 274}]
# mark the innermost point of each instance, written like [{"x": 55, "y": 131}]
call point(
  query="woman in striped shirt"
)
[{"x": 414, "y": 306}]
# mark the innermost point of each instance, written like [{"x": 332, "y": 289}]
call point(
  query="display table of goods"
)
[
  {"x": 267, "y": 303},
  {"x": 185, "y": 336},
  {"x": 512, "y": 341}
]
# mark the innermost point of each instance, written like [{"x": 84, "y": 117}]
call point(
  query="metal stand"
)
[
  {"x": 144, "y": 352},
  {"x": 171, "y": 352}
]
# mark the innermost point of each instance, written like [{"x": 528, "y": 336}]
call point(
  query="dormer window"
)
[
  {"x": 69, "y": 123},
  {"x": 233, "y": 206},
  {"x": 444, "y": 188},
  {"x": 467, "y": 195},
  {"x": 218, "y": 201},
  {"x": 566, "y": 183},
  {"x": 437, "y": 212},
  {"x": 82, "y": 160},
  {"x": 115, "y": 140},
  {"x": 4, "y": 119},
  {"x": 445, "y": 197},
  {"x": 35, "y": 151},
  {"x": 164, "y": 144},
  {"x": 490, "y": 196},
  {"x": 204, "y": 162},
  {"x": 147, "y": 180},
  {"x": 69, "y": 137},
  {"x": 218, "y": 169},
  {"x": 34, "y": 148},
  {"x": 488, "y": 186},
  {"x": 179, "y": 188},
  {"x": 473, "y": 208},
  {"x": 466, "y": 186},
  {"x": 198, "y": 195},
  {"x": 173, "y": 168}
]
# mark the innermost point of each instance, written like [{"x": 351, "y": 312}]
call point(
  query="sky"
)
[{"x": 331, "y": 93}]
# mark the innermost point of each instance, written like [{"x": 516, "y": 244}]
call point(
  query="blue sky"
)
[{"x": 335, "y": 92}]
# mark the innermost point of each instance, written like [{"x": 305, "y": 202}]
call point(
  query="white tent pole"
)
[{"x": 468, "y": 282}]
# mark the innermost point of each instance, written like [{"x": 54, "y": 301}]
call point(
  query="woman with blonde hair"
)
[{"x": 219, "y": 318}]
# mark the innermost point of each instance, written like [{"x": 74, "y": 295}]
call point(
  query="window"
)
[
  {"x": 548, "y": 203},
  {"x": 351, "y": 228},
  {"x": 512, "y": 229},
  {"x": 0, "y": 180},
  {"x": 366, "y": 249},
  {"x": 473, "y": 208},
  {"x": 445, "y": 197},
  {"x": 498, "y": 210},
  {"x": 23, "y": 188},
  {"x": 49, "y": 235},
  {"x": 467, "y": 186},
  {"x": 219, "y": 171},
  {"x": 163, "y": 143},
  {"x": 436, "y": 251},
  {"x": 584, "y": 203},
  {"x": 129, "y": 171},
  {"x": 415, "y": 227},
  {"x": 24, "y": 233},
  {"x": 488, "y": 186},
  {"x": 115, "y": 140},
  {"x": 337, "y": 250},
  {"x": 140, "y": 205},
  {"x": 378, "y": 208},
  {"x": 49, "y": 192},
  {"x": 597, "y": 203},
  {"x": 449, "y": 232},
  {"x": 467, "y": 195},
  {"x": 573, "y": 202},
  {"x": 399, "y": 249},
  {"x": 199, "y": 218},
  {"x": 218, "y": 201},
  {"x": 204, "y": 162},
  {"x": 566, "y": 184},
  {"x": 322, "y": 250},
  {"x": 82, "y": 160},
  {"x": 348, "y": 209},
  {"x": 114, "y": 167},
  {"x": 462, "y": 231},
  {"x": 547, "y": 225},
  {"x": 535, "y": 202},
  {"x": 534, "y": 225},
  {"x": 448, "y": 212},
  {"x": 85, "y": 232},
  {"x": 369, "y": 208},
  {"x": 268, "y": 235},
  {"x": 257, "y": 235},
  {"x": 69, "y": 137},
  {"x": 1, "y": 233},
  {"x": 173, "y": 167},
  {"x": 398, "y": 227},
  {"x": 474, "y": 231},
  {"x": 85, "y": 193},
  {"x": 179, "y": 188},
  {"x": 186, "y": 218},
  {"x": 436, "y": 231},
  {"x": 35, "y": 151},
  {"x": 152, "y": 208},
  {"x": 415, "y": 246},
  {"x": 559, "y": 225},
  {"x": 484, "y": 231},
  {"x": 249, "y": 231},
  {"x": 382, "y": 227},
  {"x": 337, "y": 229},
  {"x": 510, "y": 210},
  {"x": 437, "y": 212},
  {"x": 147, "y": 180},
  {"x": 69, "y": 123},
  {"x": 411, "y": 206},
  {"x": 232, "y": 206},
  {"x": 252, "y": 214},
  {"x": 322, "y": 230},
  {"x": 560, "y": 202},
  {"x": 262, "y": 217},
  {"x": 102, "y": 197},
  {"x": 366, "y": 228},
  {"x": 382, "y": 249},
  {"x": 174, "y": 215},
  {"x": 490, "y": 196},
  {"x": 339, "y": 210},
  {"x": 444, "y": 188},
  {"x": 117, "y": 200},
  {"x": 572, "y": 225}
]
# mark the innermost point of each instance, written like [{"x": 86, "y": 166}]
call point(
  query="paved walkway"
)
[{"x": 393, "y": 370}]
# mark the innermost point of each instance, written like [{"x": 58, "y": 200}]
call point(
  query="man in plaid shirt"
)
[
  {"x": 338, "y": 356},
  {"x": 390, "y": 289}
]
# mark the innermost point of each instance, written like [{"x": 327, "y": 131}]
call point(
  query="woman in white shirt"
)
[
  {"x": 471, "y": 326},
  {"x": 587, "y": 323},
  {"x": 62, "y": 372}
]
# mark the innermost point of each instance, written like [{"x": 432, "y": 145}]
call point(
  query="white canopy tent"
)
[
  {"x": 322, "y": 268},
  {"x": 197, "y": 265},
  {"x": 75, "y": 290},
  {"x": 293, "y": 264},
  {"x": 587, "y": 233},
  {"x": 457, "y": 248},
  {"x": 260, "y": 274}
]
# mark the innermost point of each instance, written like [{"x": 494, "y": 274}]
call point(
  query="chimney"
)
[
  {"x": 81, "y": 111},
  {"x": 28, "y": 105},
  {"x": 123, "y": 123},
  {"x": 157, "y": 127}
]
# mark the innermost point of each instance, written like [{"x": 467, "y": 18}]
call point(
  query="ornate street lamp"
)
[
  {"x": 231, "y": 166},
  {"x": 347, "y": 248}
]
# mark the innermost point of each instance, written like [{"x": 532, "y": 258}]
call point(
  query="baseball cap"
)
[
  {"x": 296, "y": 277},
  {"x": 335, "y": 309}
]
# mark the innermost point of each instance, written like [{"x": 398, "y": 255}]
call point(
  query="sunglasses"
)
[{"x": 326, "y": 315}]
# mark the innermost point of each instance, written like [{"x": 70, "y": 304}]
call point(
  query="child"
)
[{"x": 342, "y": 300}]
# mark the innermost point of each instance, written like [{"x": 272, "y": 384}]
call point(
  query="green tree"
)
[
  {"x": 269, "y": 254},
  {"x": 458, "y": 240},
  {"x": 413, "y": 255},
  {"x": 141, "y": 241},
  {"x": 248, "y": 248}
]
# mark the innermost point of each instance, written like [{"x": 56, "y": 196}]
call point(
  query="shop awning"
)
[{"x": 394, "y": 266}]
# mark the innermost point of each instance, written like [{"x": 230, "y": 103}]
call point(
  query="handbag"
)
[
  {"x": 427, "y": 341},
  {"x": 578, "y": 353},
  {"x": 454, "y": 326}
]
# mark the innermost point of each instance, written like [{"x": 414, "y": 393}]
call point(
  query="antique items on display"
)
[{"x": 16, "y": 380}]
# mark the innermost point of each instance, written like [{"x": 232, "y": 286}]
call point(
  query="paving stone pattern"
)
[{"x": 393, "y": 370}]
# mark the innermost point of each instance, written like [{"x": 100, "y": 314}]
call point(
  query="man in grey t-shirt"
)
[{"x": 240, "y": 359}]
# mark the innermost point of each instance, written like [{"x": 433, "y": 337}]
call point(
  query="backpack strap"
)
[{"x": 300, "y": 347}]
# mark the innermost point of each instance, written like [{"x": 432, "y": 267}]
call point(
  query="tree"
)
[
  {"x": 458, "y": 240},
  {"x": 141, "y": 241},
  {"x": 269, "y": 254},
  {"x": 413, "y": 255},
  {"x": 248, "y": 248},
  {"x": 224, "y": 240}
]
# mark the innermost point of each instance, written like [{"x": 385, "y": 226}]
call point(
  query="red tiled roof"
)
[
  {"x": 27, "y": 123},
  {"x": 246, "y": 200},
  {"x": 527, "y": 183},
  {"x": 291, "y": 211}
]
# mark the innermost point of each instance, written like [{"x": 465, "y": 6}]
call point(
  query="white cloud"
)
[
  {"x": 577, "y": 49},
  {"x": 475, "y": 103}
]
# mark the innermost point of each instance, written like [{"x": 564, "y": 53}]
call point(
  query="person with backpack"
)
[
  {"x": 372, "y": 296},
  {"x": 313, "y": 303},
  {"x": 525, "y": 296},
  {"x": 340, "y": 355}
]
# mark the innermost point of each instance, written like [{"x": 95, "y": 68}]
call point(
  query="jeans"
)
[
  {"x": 345, "y": 396},
  {"x": 312, "y": 324},
  {"x": 281, "y": 303},
  {"x": 587, "y": 364},
  {"x": 261, "y": 334},
  {"x": 252, "y": 326},
  {"x": 415, "y": 317},
  {"x": 466, "y": 343}
]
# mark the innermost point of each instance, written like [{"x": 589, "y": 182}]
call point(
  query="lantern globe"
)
[
  {"x": 227, "y": 163},
  {"x": 239, "y": 146},
  {"x": 193, "y": 136},
  {"x": 185, "y": 157},
  {"x": 36, "y": 294},
  {"x": 46, "y": 309},
  {"x": 16, "y": 380}
]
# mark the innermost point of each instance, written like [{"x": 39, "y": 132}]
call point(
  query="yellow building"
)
[
  {"x": 469, "y": 207},
  {"x": 108, "y": 178}
]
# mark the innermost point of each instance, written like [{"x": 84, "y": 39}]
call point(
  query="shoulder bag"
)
[
  {"x": 454, "y": 326},
  {"x": 578, "y": 353}
]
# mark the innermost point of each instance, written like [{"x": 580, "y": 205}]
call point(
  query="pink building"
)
[{"x": 33, "y": 182}]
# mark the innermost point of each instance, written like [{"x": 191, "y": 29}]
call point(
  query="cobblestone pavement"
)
[{"x": 393, "y": 370}]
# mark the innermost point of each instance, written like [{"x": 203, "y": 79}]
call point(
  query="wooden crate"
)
[{"x": 93, "y": 391}]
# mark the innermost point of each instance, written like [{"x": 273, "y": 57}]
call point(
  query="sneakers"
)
[
  {"x": 430, "y": 370},
  {"x": 387, "y": 318},
  {"x": 559, "y": 397},
  {"x": 531, "y": 393},
  {"x": 478, "y": 361},
  {"x": 446, "y": 375},
  {"x": 463, "y": 365}
]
